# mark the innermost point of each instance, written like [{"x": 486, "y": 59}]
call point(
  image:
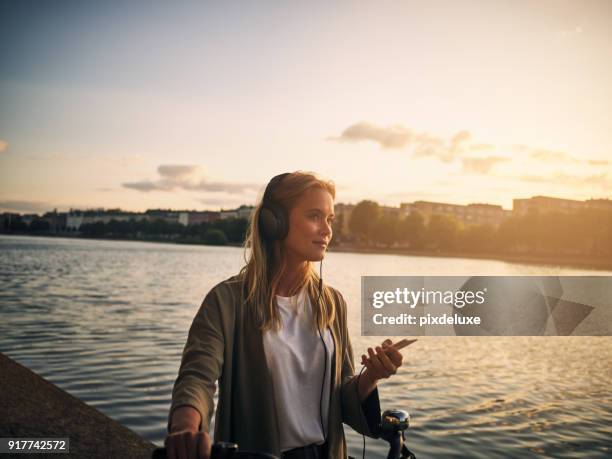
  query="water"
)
[{"x": 107, "y": 321}]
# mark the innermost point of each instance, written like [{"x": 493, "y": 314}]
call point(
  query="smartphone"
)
[{"x": 402, "y": 343}]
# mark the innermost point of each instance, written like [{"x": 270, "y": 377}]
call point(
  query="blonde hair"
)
[{"x": 265, "y": 261}]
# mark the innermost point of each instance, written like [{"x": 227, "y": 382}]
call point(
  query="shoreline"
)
[{"x": 566, "y": 261}]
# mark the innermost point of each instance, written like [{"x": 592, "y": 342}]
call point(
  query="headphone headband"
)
[{"x": 274, "y": 181}]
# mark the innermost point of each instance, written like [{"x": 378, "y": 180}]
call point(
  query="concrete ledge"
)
[{"x": 31, "y": 406}]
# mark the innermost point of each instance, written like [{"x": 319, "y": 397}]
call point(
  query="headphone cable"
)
[
  {"x": 325, "y": 352},
  {"x": 363, "y": 435}
]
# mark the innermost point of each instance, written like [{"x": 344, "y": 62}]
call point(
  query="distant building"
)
[
  {"x": 168, "y": 216},
  {"x": 228, "y": 214},
  {"x": 245, "y": 212},
  {"x": 471, "y": 214},
  {"x": 241, "y": 212},
  {"x": 605, "y": 204},
  {"x": 7, "y": 219},
  {"x": 545, "y": 204},
  {"x": 29, "y": 218},
  {"x": 57, "y": 221},
  {"x": 343, "y": 215},
  {"x": 195, "y": 218},
  {"x": 76, "y": 218},
  {"x": 389, "y": 210}
]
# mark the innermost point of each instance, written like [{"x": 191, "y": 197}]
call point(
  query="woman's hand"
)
[
  {"x": 384, "y": 362},
  {"x": 188, "y": 444},
  {"x": 185, "y": 440}
]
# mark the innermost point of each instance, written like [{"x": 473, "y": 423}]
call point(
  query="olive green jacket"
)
[{"x": 223, "y": 344}]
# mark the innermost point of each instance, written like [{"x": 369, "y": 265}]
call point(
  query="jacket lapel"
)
[{"x": 260, "y": 423}]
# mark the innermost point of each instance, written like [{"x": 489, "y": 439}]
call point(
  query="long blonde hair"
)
[{"x": 265, "y": 260}]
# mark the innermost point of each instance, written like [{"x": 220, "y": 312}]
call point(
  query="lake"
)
[{"x": 107, "y": 321}]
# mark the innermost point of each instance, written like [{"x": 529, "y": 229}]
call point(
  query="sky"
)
[{"x": 196, "y": 105}]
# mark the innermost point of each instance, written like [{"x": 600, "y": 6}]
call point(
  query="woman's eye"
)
[{"x": 318, "y": 217}]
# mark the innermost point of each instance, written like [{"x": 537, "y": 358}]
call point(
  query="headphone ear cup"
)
[
  {"x": 273, "y": 223},
  {"x": 283, "y": 223}
]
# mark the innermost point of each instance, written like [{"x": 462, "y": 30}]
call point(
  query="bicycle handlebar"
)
[
  {"x": 222, "y": 450},
  {"x": 392, "y": 427}
]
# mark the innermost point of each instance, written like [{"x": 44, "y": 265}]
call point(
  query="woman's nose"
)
[{"x": 326, "y": 229}]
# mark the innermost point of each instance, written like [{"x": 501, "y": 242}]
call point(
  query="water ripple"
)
[{"x": 107, "y": 321}]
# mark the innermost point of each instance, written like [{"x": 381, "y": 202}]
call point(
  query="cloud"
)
[
  {"x": 187, "y": 177},
  {"x": 431, "y": 145},
  {"x": 448, "y": 152},
  {"x": 3, "y": 146},
  {"x": 542, "y": 154},
  {"x": 423, "y": 144},
  {"x": 482, "y": 165},
  {"x": 602, "y": 180},
  {"x": 178, "y": 171},
  {"x": 461, "y": 146},
  {"x": 389, "y": 137},
  {"x": 479, "y": 147},
  {"x": 598, "y": 162},
  {"x": 521, "y": 148},
  {"x": 459, "y": 139},
  {"x": 548, "y": 155},
  {"x": 147, "y": 185}
]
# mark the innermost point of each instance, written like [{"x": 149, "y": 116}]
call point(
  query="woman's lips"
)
[{"x": 319, "y": 243}]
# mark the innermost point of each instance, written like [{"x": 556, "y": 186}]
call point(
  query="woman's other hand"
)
[
  {"x": 185, "y": 441},
  {"x": 188, "y": 444},
  {"x": 382, "y": 362}
]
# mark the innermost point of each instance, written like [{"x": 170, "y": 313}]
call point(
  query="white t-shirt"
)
[{"x": 295, "y": 357}]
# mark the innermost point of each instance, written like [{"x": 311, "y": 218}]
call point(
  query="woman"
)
[{"x": 276, "y": 340}]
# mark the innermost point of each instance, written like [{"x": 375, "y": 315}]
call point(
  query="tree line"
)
[
  {"x": 220, "y": 232},
  {"x": 585, "y": 232}
]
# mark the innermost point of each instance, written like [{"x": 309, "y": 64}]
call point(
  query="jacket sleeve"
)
[
  {"x": 201, "y": 363},
  {"x": 363, "y": 417}
]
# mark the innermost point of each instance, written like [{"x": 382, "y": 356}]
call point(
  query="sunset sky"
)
[{"x": 196, "y": 105}]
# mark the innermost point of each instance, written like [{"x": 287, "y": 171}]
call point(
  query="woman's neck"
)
[{"x": 290, "y": 280}]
